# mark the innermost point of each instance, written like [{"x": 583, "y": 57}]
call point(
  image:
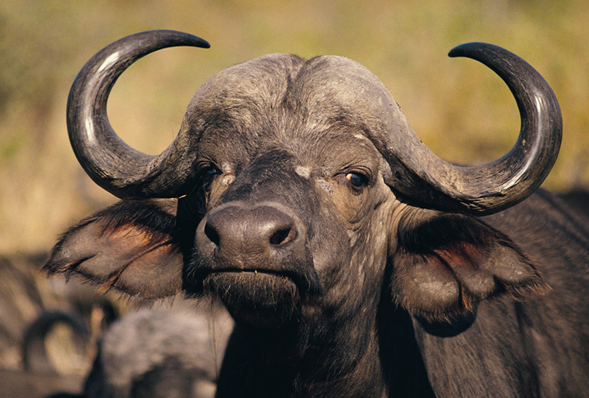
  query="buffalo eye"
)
[
  {"x": 356, "y": 180},
  {"x": 208, "y": 174}
]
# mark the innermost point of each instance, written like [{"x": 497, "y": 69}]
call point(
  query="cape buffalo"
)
[
  {"x": 354, "y": 261},
  {"x": 161, "y": 353},
  {"x": 152, "y": 353}
]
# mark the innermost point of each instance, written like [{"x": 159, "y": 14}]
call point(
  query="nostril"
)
[
  {"x": 282, "y": 236},
  {"x": 212, "y": 234}
]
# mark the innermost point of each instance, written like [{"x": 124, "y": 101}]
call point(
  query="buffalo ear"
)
[
  {"x": 446, "y": 263},
  {"x": 131, "y": 247}
]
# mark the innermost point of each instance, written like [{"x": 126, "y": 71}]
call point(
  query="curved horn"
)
[
  {"x": 108, "y": 160},
  {"x": 432, "y": 182}
]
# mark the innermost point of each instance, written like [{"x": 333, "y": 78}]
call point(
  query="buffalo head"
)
[{"x": 297, "y": 193}]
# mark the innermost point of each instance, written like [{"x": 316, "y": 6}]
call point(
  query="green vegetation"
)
[{"x": 458, "y": 107}]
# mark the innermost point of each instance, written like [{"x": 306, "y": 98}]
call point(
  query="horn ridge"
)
[{"x": 106, "y": 158}]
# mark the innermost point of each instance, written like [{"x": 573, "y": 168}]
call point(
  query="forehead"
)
[{"x": 282, "y": 100}]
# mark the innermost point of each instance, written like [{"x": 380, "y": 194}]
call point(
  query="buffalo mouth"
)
[{"x": 258, "y": 298}]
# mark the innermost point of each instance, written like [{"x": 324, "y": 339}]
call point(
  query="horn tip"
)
[{"x": 466, "y": 49}]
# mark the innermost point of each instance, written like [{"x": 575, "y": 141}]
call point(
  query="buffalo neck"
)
[{"x": 322, "y": 359}]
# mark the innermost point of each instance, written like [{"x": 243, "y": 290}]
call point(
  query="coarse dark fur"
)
[{"x": 338, "y": 286}]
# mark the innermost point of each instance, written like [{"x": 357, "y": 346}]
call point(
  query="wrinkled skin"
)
[{"x": 338, "y": 286}]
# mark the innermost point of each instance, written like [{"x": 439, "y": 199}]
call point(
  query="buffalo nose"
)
[{"x": 250, "y": 230}]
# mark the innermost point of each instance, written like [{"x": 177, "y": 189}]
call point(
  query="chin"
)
[{"x": 259, "y": 299}]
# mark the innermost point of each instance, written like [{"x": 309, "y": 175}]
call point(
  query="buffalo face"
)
[{"x": 288, "y": 218}]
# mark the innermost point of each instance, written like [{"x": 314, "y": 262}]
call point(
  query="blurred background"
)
[{"x": 458, "y": 107}]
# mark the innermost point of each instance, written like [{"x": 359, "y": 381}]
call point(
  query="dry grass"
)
[{"x": 460, "y": 109}]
